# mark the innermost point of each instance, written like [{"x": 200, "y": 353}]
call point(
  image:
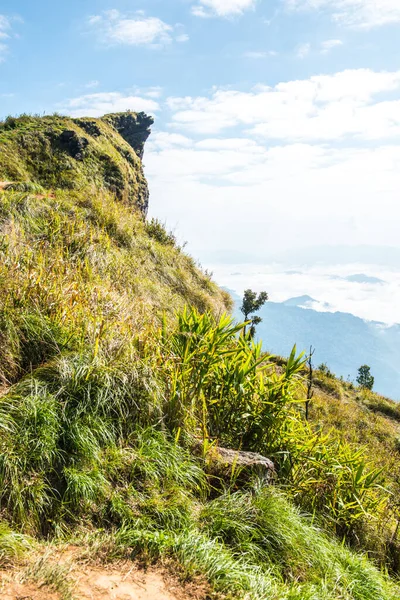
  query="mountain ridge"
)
[{"x": 341, "y": 340}]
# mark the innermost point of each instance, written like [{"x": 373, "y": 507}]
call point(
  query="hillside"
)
[
  {"x": 146, "y": 441},
  {"x": 341, "y": 340},
  {"x": 62, "y": 153}
]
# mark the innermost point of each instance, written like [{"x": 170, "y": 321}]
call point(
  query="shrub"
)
[
  {"x": 325, "y": 370},
  {"x": 157, "y": 231}
]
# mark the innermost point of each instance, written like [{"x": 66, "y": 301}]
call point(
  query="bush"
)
[
  {"x": 222, "y": 383},
  {"x": 325, "y": 370},
  {"x": 157, "y": 231}
]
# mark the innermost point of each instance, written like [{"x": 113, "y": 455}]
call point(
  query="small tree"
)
[
  {"x": 310, "y": 380},
  {"x": 364, "y": 378},
  {"x": 251, "y": 304}
]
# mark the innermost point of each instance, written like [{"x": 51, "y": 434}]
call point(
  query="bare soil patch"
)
[{"x": 114, "y": 581}]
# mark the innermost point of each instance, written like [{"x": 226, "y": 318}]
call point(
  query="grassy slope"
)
[
  {"x": 371, "y": 422},
  {"x": 78, "y": 265},
  {"x": 84, "y": 282}
]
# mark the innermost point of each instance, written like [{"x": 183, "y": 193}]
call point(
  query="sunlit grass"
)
[{"x": 117, "y": 358}]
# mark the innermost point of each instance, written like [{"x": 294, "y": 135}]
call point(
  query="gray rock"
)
[
  {"x": 223, "y": 461},
  {"x": 133, "y": 127},
  {"x": 90, "y": 126}
]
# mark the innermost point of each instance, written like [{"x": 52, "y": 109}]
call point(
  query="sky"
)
[{"x": 277, "y": 122}]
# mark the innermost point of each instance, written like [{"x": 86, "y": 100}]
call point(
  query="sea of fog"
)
[{"x": 369, "y": 291}]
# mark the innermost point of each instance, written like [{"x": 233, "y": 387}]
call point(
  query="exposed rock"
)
[
  {"x": 223, "y": 461},
  {"x": 73, "y": 143},
  {"x": 90, "y": 126},
  {"x": 133, "y": 127}
]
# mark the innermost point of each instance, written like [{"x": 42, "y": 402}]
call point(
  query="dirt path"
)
[
  {"x": 119, "y": 581},
  {"x": 96, "y": 583}
]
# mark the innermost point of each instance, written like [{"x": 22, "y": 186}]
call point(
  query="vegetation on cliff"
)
[
  {"x": 62, "y": 153},
  {"x": 121, "y": 374}
]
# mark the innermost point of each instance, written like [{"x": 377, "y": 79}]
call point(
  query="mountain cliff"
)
[
  {"x": 64, "y": 153},
  {"x": 75, "y": 248}
]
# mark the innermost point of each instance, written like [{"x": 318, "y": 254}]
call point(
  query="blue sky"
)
[
  {"x": 52, "y": 52},
  {"x": 277, "y": 121}
]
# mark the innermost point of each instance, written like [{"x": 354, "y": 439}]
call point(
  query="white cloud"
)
[
  {"x": 303, "y": 50},
  {"x": 5, "y": 35},
  {"x": 282, "y": 166},
  {"x": 347, "y": 104},
  {"x": 354, "y": 13},
  {"x": 114, "y": 28},
  {"x": 162, "y": 140},
  {"x": 96, "y": 105},
  {"x": 222, "y": 8},
  {"x": 242, "y": 196},
  {"x": 259, "y": 55},
  {"x": 5, "y": 27},
  {"x": 182, "y": 38},
  {"x": 92, "y": 84},
  {"x": 153, "y": 92},
  {"x": 328, "y": 45}
]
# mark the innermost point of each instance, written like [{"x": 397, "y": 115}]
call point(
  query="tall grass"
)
[
  {"x": 201, "y": 380},
  {"x": 78, "y": 268},
  {"x": 251, "y": 545},
  {"x": 13, "y": 545},
  {"x": 106, "y": 388}
]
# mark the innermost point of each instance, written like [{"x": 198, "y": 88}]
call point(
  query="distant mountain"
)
[
  {"x": 359, "y": 278},
  {"x": 387, "y": 256},
  {"x": 342, "y": 340},
  {"x": 303, "y": 301}
]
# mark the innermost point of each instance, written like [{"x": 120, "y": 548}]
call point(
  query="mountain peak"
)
[
  {"x": 59, "y": 152},
  {"x": 300, "y": 301}
]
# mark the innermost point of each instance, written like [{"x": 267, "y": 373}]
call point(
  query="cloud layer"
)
[
  {"x": 371, "y": 302},
  {"x": 323, "y": 107},
  {"x": 303, "y": 162},
  {"x": 354, "y": 13}
]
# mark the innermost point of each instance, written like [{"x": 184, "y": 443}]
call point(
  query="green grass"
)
[
  {"x": 13, "y": 545},
  {"x": 250, "y": 544},
  {"x": 79, "y": 268},
  {"x": 25, "y": 186}
]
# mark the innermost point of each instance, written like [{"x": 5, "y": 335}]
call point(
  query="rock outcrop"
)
[
  {"x": 64, "y": 153},
  {"x": 133, "y": 127}
]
